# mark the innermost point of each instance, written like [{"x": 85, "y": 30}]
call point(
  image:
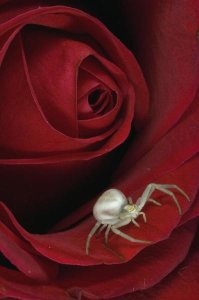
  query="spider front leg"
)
[
  {"x": 143, "y": 215},
  {"x": 163, "y": 188},
  {"x": 174, "y": 186},
  {"x": 154, "y": 202}
]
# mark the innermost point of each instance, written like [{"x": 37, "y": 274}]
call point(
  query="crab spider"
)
[{"x": 114, "y": 210}]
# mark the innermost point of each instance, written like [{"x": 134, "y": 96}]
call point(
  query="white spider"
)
[{"x": 113, "y": 210}]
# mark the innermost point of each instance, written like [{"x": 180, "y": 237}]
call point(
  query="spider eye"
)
[{"x": 130, "y": 208}]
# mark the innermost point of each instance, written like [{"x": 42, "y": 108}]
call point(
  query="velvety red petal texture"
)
[
  {"x": 137, "y": 275},
  {"x": 181, "y": 284},
  {"x": 70, "y": 93},
  {"x": 166, "y": 45},
  {"x": 57, "y": 106},
  {"x": 58, "y": 125}
]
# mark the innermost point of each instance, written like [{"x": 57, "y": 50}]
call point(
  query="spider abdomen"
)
[{"x": 109, "y": 205}]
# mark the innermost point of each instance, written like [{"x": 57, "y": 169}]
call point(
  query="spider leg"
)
[
  {"x": 135, "y": 223},
  {"x": 154, "y": 201},
  {"x": 107, "y": 233},
  {"x": 143, "y": 215},
  {"x": 120, "y": 223},
  {"x": 174, "y": 186},
  {"x": 92, "y": 232},
  {"x": 145, "y": 196},
  {"x": 128, "y": 237},
  {"x": 164, "y": 190},
  {"x": 101, "y": 229},
  {"x": 130, "y": 200}
]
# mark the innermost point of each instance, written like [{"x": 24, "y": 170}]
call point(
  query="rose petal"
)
[
  {"x": 113, "y": 47},
  {"x": 138, "y": 274},
  {"x": 16, "y": 136},
  {"x": 144, "y": 271},
  {"x": 177, "y": 146},
  {"x": 181, "y": 284},
  {"x": 56, "y": 60},
  {"x": 15, "y": 285},
  {"x": 163, "y": 159},
  {"x": 84, "y": 146},
  {"x": 19, "y": 253},
  {"x": 69, "y": 246},
  {"x": 192, "y": 213},
  {"x": 167, "y": 48}
]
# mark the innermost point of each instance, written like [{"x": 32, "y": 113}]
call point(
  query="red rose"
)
[
  {"x": 67, "y": 103},
  {"x": 70, "y": 93}
]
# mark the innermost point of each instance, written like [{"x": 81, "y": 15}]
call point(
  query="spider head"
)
[{"x": 130, "y": 210}]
